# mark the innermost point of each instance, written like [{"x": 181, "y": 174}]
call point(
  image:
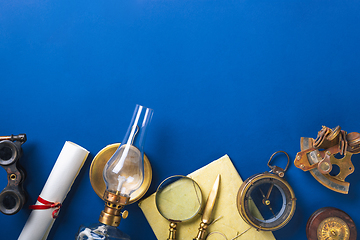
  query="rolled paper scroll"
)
[{"x": 58, "y": 184}]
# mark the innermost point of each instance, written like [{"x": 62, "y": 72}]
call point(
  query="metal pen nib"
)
[{"x": 205, "y": 220}]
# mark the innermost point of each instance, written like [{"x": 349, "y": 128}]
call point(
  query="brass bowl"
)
[{"x": 97, "y": 167}]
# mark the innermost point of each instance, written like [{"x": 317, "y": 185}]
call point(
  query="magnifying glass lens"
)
[
  {"x": 216, "y": 236},
  {"x": 178, "y": 198}
]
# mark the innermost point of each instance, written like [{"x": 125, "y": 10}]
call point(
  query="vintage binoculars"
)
[{"x": 13, "y": 197}]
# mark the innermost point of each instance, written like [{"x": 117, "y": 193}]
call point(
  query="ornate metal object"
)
[{"x": 319, "y": 155}]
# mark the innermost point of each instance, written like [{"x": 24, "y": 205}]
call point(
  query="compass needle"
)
[
  {"x": 266, "y": 201},
  {"x": 262, "y": 193},
  {"x": 271, "y": 210},
  {"x": 270, "y": 189}
]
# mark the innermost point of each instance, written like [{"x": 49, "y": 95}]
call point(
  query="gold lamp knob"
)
[{"x": 125, "y": 214}]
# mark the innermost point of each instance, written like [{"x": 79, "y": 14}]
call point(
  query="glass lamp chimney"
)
[{"x": 124, "y": 172}]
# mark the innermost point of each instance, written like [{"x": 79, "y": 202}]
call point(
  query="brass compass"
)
[
  {"x": 330, "y": 224},
  {"x": 266, "y": 201}
]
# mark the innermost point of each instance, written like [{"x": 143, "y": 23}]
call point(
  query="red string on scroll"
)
[{"x": 47, "y": 205}]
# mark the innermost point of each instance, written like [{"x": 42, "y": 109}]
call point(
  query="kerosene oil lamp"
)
[{"x": 123, "y": 175}]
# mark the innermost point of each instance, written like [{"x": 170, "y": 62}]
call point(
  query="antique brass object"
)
[
  {"x": 205, "y": 220},
  {"x": 112, "y": 215},
  {"x": 266, "y": 201},
  {"x": 330, "y": 224},
  {"x": 319, "y": 155},
  {"x": 96, "y": 173},
  {"x": 178, "y": 199}
]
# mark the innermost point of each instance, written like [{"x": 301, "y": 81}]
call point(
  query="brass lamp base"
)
[
  {"x": 112, "y": 214},
  {"x": 97, "y": 168}
]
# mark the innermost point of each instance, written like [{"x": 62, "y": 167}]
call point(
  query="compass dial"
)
[
  {"x": 266, "y": 202},
  {"x": 333, "y": 228},
  {"x": 330, "y": 224}
]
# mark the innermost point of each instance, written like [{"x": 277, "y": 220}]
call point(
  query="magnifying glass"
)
[{"x": 178, "y": 199}]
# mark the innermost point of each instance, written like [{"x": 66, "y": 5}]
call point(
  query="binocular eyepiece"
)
[{"x": 13, "y": 197}]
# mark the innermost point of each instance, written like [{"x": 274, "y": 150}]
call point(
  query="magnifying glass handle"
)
[
  {"x": 202, "y": 231},
  {"x": 172, "y": 231}
]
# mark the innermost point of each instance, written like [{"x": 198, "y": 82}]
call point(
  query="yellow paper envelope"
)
[{"x": 229, "y": 223}]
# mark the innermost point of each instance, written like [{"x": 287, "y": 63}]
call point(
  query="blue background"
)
[{"x": 243, "y": 78}]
